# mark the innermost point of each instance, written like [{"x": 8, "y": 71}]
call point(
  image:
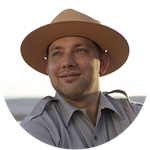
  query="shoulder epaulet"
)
[
  {"x": 121, "y": 92},
  {"x": 116, "y": 91}
]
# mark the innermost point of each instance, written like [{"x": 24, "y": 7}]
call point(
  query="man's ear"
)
[
  {"x": 104, "y": 63},
  {"x": 47, "y": 69}
]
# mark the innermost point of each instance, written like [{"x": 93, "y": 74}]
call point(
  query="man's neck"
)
[
  {"x": 88, "y": 102},
  {"x": 92, "y": 109}
]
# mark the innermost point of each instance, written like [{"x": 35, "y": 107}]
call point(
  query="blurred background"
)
[{"x": 22, "y": 86}]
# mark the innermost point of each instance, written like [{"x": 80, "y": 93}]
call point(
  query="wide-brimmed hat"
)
[{"x": 73, "y": 23}]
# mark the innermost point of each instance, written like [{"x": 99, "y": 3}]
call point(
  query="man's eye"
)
[
  {"x": 56, "y": 54},
  {"x": 77, "y": 51},
  {"x": 80, "y": 50}
]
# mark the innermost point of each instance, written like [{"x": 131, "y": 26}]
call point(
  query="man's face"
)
[{"x": 73, "y": 67}]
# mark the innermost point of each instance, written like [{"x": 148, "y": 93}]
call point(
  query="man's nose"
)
[{"x": 69, "y": 62}]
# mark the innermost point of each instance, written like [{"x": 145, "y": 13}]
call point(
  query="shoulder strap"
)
[{"x": 117, "y": 91}]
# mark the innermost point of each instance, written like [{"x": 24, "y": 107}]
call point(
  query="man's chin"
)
[{"x": 71, "y": 95}]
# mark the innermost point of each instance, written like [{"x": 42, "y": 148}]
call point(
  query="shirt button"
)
[
  {"x": 80, "y": 112},
  {"x": 95, "y": 137}
]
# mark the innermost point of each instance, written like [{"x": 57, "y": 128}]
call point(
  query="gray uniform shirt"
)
[{"x": 58, "y": 123}]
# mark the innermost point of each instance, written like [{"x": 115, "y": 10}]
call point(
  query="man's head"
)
[{"x": 74, "y": 66}]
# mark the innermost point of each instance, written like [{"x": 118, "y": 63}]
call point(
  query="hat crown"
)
[{"x": 72, "y": 15}]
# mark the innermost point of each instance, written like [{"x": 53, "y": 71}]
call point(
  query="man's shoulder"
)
[
  {"x": 123, "y": 102},
  {"x": 35, "y": 124},
  {"x": 38, "y": 108}
]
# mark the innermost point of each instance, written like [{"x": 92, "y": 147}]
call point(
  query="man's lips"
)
[{"x": 70, "y": 76}]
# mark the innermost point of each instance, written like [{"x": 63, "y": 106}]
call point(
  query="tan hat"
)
[{"x": 73, "y": 23}]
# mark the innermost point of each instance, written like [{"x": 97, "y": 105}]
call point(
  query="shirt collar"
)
[
  {"x": 67, "y": 109},
  {"x": 105, "y": 103}
]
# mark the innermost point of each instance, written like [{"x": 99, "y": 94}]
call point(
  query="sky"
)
[{"x": 18, "y": 80}]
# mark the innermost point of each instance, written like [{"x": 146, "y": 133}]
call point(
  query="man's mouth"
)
[{"x": 70, "y": 75}]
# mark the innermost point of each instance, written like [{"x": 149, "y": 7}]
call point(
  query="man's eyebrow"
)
[
  {"x": 57, "y": 47},
  {"x": 74, "y": 46},
  {"x": 80, "y": 44}
]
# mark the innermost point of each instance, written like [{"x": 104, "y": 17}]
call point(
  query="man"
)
[{"x": 79, "y": 51}]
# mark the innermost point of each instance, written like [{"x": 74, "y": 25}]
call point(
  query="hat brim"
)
[{"x": 34, "y": 46}]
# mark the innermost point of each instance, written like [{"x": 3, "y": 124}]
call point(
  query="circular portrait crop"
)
[{"x": 73, "y": 79}]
